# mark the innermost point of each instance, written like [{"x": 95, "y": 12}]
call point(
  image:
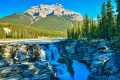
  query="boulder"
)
[
  {"x": 28, "y": 73},
  {"x": 4, "y": 63},
  {"x": 111, "y": 67},
  {"x": 6, "y": 55},
  {"x": 12, "y": 70},
  {"x": 15, "y": 77}
]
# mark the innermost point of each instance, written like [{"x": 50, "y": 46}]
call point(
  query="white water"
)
[
  {"x": 53, "y": 53},
  {"x": 21, "y": 56},
  {"x": 42, "y": 55},
  {"x": 63, "y": 73},
  {"x": 81, "y": 71}
]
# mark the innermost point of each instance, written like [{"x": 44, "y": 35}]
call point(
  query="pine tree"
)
[
  {"x": 109, "y": 19},
  {"x": 92, "y": 28},
  {"x": 86, "y": 24},
  {"x": 95, "y": 30},
  {"x": 98, "y": 27},
  {"x": 68, "y": 32},
  {"x": 79, "y": 30},
  {"x": 114, "y": 26},
  {"x": 118, "y": 19},
  {"x": 103, "y": 16}
]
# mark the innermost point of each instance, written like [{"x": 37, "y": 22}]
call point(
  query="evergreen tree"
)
[
  {"x": 79, "y": 30},
  {"x": 92, "y": 28},
  {"x": 118, "y": 19},
  {"x": 98, "y": 27},
  {"x": 109, "y": 19},
  {"x": 103, "y": 16},
  {"x": 86, "y": 24},
  {"x": 114, "y": 26},
  {"x": 68, "y": 32},
  {"x": 95, "y": 30}
]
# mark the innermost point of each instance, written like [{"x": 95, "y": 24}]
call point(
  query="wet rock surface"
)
[
  {"x": 23, "y": 62},
  {"x": 102, "y": 61}
]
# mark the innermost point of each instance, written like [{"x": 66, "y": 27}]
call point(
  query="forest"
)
[
  {"x": 17, "y": 31},
  {"x": 106, "y": 27}
]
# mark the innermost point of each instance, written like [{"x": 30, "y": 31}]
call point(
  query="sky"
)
[{"x": 92, "y": 7}]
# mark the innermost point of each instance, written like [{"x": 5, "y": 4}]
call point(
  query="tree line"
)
[
  {"x": 21, "y": 31},
  {"x": 107, "y": 25}
]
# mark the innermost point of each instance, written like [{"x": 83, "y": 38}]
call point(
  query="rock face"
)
[
  {"x": 22, "y": 62},
  {"x": 55, "y": 9},
  {"x": 102, "y": 61}
]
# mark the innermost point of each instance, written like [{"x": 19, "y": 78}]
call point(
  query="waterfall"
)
[
  {"x": 81, "y": 71},
  {"x": 42, "y": 55},
  {"x": 21, "y": 56},
  {"x": 63, "y": 73},
  {"x": 53, "y": 53}
]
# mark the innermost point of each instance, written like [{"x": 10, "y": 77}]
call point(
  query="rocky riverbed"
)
[
  {"x": 44, "y": 61},
  {"x": 102, "y": 61},
  {"x": 21, "y": 62}
]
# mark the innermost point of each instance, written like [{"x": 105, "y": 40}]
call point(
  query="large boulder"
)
[
  {"x": 80, "y": 47},
  {"x": 111, "y": 66},
  {"x": 12, "y": 70}
]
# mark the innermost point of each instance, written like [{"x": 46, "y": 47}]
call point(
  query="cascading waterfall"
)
[
  {"x": 63, "y": 73},
  {"x": 81, "y": 71},
  {"x": 53, "y": 53}
]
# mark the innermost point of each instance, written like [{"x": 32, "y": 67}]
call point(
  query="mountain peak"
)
[{"x": 54, "y": 9}]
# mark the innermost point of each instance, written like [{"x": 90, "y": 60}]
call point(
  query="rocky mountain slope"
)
[{"x": 55, "y": 9}]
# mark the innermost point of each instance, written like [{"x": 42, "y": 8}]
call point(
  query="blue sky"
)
[{"x": 92, "y": 7}]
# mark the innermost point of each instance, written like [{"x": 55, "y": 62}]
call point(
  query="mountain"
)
[
  {"x": 55, "y": 9},
  {"x": 53, "y": 23},
  {"x": 50, "y": 17},
  {"x": 17, "y": 18}
]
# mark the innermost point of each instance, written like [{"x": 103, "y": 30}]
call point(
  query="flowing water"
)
[
  {"x": 81, "y": 71},
  {"x": 63, "y": 73},
  {"x": 42, "y": 55},
  {"x": 51, "y": 55}
]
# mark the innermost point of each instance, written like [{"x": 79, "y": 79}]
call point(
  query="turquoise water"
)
[
  {"x": 41, "y": 41},
  {"x": 81, "y": 71}
]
